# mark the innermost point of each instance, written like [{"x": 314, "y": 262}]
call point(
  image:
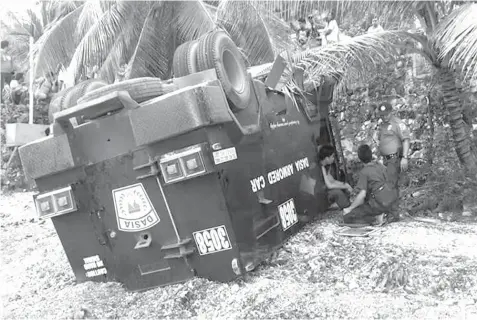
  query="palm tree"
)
[
  {"x": 18, "y": 29},
  {"x": 447, "y": 41},
  {"x": 145, "y": 35}
]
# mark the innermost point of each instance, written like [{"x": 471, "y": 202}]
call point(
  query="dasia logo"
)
[
  {"x": 134, "y": 210},
  {"x": 212, "y": 240}
]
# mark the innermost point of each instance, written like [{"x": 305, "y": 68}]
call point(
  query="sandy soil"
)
[{"x": 316, "y": 275}]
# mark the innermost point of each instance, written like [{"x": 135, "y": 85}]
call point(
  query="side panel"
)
[{"x": 197, "y": 205}]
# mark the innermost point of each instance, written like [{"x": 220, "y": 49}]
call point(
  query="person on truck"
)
[
  {"x": 303, "y": 33},
  {"x": 364, "y": 210},
  {"x": 394, "y": 140},
  {"x": 336, "y": 190}
]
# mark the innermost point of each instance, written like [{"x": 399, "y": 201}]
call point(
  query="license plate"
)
[
  {"x": 212, "y": 240},
  {"x": 224, "y": 155},
  {"x": 287, "y": 214}
]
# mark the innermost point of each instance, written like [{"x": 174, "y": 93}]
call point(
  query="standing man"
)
[
  {"x": 335, "y": 189},
  {"x": 331, "y": 32},
  {"x": 6, "y": 65},
  {"x": 394, "y": 140}
]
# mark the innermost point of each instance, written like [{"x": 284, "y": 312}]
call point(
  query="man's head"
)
[
  {"x": 326, "y": 154},
  {"x": 4, "y": 44},
  {"x": 384, "y": 111},
  {"x": 302, "y": 23},
  {"x": 375, "y": 22},
  {"x": 364, "y": 153},
  {"x": 19, "y": 76},
  {"x": 330, "y": 16}
]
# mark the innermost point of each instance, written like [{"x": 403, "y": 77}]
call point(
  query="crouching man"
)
[
  {"x": 376, "y": 194},
  {"x": 336, "y": 190}
]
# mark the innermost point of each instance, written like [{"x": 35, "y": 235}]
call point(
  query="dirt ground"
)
[{"x": 317, "y": 274}]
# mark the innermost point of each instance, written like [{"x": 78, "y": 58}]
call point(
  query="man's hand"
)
[
  {"x": 347, "y": 210},
  {"x": 404, "y": 164},
  {"x": 349, "y": 188}
]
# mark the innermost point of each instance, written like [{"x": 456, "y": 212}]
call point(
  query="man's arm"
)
[
  {"x": 361, "y": 197},
  {"x": 359, "y": 200},
  {"x": 405, "y": 147},
  {"x": 405, "y": 136},
  {"x": 331, "y": 183}
]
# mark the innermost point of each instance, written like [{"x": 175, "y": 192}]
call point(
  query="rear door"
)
[{"x": 137, "y": 222}]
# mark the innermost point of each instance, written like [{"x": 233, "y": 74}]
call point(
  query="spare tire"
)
[
  {"x": 140, "y": 89},
  {"x": 217, "y": 51},
  {"x": 57, "y": 102},
  {"x": 69, "y": 97},
  {"x": 185, "y": 59}
]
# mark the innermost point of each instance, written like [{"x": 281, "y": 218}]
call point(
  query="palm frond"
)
[
  {"x": 56, "y": 45},
  {"x": 154, "y": 51},
  {"x": 92, "y": 12},
  {"x": 354, "y": 59},
  {"x": 44, "y": 13},
  {"x": 280, "y": 31},
  {"x": 34, "y": 25},
  {"x": 122, "y": 49},
  {"x": 212, "y": 10},
  {"x": 95, "y": 45},
  {"x": 192, "y": 20},
  {"x": 170, "y": 24},
  {"x": 456, "y": 37},
  {"x": 247, "y": 29}
]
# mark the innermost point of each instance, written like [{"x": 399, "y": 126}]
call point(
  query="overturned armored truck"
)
[{"x": 152, "y": 182}]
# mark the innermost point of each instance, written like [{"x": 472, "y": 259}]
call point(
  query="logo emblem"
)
[
  {"x": 134, "y": 210},
  {"x": 212, "y": 240}
]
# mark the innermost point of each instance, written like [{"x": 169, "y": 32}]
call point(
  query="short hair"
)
[
  {"x": 325, "y": 151},
  {"x": 4, "y": 44},
  {"x": 302, "y": 20},
  {"x": 18, "y": 76},
  {"x": 364, "y": 153}
]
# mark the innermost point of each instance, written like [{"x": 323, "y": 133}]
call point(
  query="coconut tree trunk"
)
[
  {"x": 452, "y": 103},
  {"x": 430, "y": 124}
]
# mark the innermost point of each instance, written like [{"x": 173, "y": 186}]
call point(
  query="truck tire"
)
[
  {"x": 56, "y": 104},
  {"x": 217, "y": 51},
  {"x": 140, "y": 89},
  {"x": 185, "y": 59},
  {"x": 69, "y": 97}
]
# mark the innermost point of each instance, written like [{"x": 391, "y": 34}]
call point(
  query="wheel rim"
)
[{"x": 233, "y": 71}]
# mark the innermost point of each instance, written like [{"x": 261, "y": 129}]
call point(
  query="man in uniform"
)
[
  {"x": 394, "y": 140},
  {"x": 364, "y": 210}
]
